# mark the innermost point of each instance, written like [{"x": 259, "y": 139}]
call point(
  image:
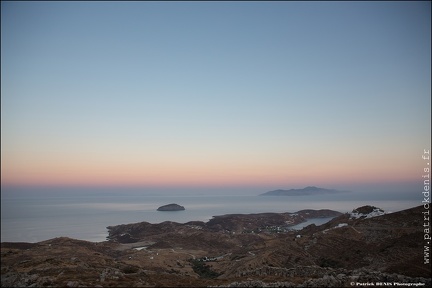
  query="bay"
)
[{"x": 85, "y": 217}]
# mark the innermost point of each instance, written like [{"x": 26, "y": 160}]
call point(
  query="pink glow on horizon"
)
[{"x": 196, "y": 175}]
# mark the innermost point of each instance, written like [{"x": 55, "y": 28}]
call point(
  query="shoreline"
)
[
  {"x": 92, "y": 228},
  {"x": 231, "y": 249},
  {"x": 295, "y": 220}
]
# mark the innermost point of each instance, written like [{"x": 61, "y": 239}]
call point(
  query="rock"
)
[
  {"x": 72, "y": 284},
  {"x": 171, "y": 207},
  {"x": 366, "y": 212}
]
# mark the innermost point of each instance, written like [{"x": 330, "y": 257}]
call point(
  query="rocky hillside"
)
[{"x": 256, "y": 250}]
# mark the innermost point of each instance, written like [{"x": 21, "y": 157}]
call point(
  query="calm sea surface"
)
[{"x": 34, "y": 219}]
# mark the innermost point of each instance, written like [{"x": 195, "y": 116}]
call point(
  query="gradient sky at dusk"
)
[{"x": 278, "y": 94}]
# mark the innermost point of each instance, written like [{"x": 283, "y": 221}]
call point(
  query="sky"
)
[{"x": 214, "y": 94}]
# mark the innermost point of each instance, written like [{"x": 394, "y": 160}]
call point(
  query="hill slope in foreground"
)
[{"x": 259, "y": 250}]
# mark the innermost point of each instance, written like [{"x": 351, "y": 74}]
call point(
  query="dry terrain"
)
[{"x": 258, "y": 250}]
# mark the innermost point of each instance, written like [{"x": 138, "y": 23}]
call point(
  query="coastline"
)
[
  {"x": 31, "y": 220},
  {"x": 227, "y": 250}
]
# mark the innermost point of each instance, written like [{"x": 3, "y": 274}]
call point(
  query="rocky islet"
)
[{"x": 171, "y": 207}]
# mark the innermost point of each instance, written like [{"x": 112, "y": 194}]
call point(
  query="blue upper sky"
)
[{"x": 272, "y": 92}]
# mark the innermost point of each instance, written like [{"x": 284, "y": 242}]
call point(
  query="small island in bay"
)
[{"x": 171, "y": 207}]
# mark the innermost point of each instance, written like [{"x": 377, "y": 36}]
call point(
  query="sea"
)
[{"x": 35, "y": 217}]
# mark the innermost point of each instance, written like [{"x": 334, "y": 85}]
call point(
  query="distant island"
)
[
  {"x": 307, "y": 191},
  {"x": 171, "y": 207}
]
